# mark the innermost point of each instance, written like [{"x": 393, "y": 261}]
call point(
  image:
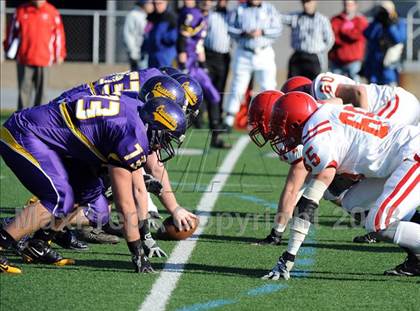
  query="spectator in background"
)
[
  {"x": 348, "y": 52},
  {"x": 254, "y": 25},
  {"x": 192, "y": 25},
  {"x": 386, "y": 36},
  {"x": 161, "y": 39},
  {"x": 134, "y": 32},
  {"x": 312, "y": 38},
  {"x": 217, "y": 46},
  {"x": 36, "y": 37}
]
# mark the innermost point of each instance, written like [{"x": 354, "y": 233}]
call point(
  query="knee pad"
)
[{"x": 306, "y": 209}]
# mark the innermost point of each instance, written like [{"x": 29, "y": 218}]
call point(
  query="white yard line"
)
[{"x": 174, "y": 267}]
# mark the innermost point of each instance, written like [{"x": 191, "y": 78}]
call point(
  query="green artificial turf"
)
[{"x": 225, "y": 268}]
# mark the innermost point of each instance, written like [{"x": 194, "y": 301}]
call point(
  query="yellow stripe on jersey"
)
[
  {"x": 92, "y": 88},
  {"x": 9, "y": 140},
  {"x": 67, "y": 119}
]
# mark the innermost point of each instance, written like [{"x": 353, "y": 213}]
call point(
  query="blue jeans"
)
[{"x": 350, "y": 70}]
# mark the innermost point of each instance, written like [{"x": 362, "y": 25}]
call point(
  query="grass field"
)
[{"x": 225, "y": 268}]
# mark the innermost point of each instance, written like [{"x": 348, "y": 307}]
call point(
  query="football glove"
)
[
  {"x": 274, "y": 238},
  {"x": 282, "y": 268},
  {"x": 154, "y": 220},
  {"x": 153, "y": 185},
  {"x": 141, "y": 264},
  {"x": 151, "y": 249}
]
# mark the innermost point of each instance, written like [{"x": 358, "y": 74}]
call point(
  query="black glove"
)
[
  {"x": 153, "y": 185},
  {"x": 142, "y": 264},
  {"x": 274, "y": 238},
  {"x": 139, "y": 259}
]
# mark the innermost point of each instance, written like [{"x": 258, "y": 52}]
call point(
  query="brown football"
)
[{"x": 168, "y": 230}]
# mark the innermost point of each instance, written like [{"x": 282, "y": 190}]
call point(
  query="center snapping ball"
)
[{"x": 169, "y": 231}]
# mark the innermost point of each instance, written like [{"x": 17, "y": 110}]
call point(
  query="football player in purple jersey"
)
[{"x": 118, "y": 132}]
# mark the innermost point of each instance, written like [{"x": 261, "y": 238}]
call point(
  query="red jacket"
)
[
  {"x": 40, "y": 35},
  {"x": 349, "y": 40}
]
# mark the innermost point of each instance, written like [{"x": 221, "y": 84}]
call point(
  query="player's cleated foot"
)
[
  {"x": 98, "y": 236},
  {"x": 6, "y": 267},
  {"x": 68, "y": 240},
  {"x": 272, "y": 239},
  {"x": 113, "y": 228},
  {"x": 410, "y": 267},
  {"x": 368, "y": 238},
  {"x": 38, "y": 251}
]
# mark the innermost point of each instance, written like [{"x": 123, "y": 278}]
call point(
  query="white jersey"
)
[
  {"x": 356, "y": 142},
  {"x": 387, "y": 101}
]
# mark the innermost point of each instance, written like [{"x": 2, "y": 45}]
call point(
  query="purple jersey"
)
[
  {"x": 193, "y": 26},
  {"x": 127, "y": 83},
  {"x": 93, "y": 129}
]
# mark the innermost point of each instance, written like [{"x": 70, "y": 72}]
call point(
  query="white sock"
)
[
  {"x": 230, "y": 120},
  {"x": 298, "y": 231},
  {"x": 152, "y": 206},
  {"x": 408, "y": 235}
]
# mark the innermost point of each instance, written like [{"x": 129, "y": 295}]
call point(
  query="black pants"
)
[
  {"x": 218, "y": 67},
  {"x": 304, "y": 64}
]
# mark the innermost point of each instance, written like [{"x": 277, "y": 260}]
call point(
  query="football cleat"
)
[
  {"x": 68, "y": 240},
  {"x": 96, "y": 235},
  {"x": 272, "y": 239},
  {"x": 38, "y": 251},
  {"x": 410, "y": 267},
  {"x": 368, "y": 238},
  {"x": 282, "y": 269},
  {"x": 6, "y": 267}
]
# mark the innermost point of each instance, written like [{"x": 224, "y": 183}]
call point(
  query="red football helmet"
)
[
  {"x": 259, "y": 116},
  {"x": 297, "y": 83},
  {"x": 290, "y": 113}
]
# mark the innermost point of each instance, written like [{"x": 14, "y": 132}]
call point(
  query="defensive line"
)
[{"x": 163, "y": 287}]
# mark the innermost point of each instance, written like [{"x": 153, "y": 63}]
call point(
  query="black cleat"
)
[
  {"x": 38, "y": 251},
  {"x": 6, "y": 267},
  {"x": 97, "y": 236},
  {"x": 410, "y": 267},
  {"x": 273, "y": 238},
  {"x": 68, "y": 240},
  {"x": 368, "y": 238}
]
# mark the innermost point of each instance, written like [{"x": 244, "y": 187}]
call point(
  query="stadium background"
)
[{"x": 95, "y": 48}]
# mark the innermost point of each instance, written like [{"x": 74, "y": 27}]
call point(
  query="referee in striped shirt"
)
[
  {"x": 217, "y": 47},
  {"x": 254, "y": 26},
  {"x": 312, "y": 38}
]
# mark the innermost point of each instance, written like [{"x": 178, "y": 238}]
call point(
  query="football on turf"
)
[{"x": 168, "y": 230}]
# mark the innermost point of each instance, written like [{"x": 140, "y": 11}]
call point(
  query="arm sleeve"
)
[
  {"x": 398, "y": 32},
  {"x": 133, "y": 29},
  {"x": 355, "y": 33},
  {"x": 60, "y": 38},
  {"x": 328, "y": 34},
  {"x": 275, "y": 28},
  {"x": 234, "y": 29}
]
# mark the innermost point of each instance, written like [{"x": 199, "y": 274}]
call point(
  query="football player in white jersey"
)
[
  {"x": 390, "y": 102},
  {"x": 346, "y": 140}
]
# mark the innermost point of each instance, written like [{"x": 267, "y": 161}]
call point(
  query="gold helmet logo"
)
[
  {"x": 160, "y": 91},
  {"x": 191, "y": 96},
  {"x": 160, "y": 115}
]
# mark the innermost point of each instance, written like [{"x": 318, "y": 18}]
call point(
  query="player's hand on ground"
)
[
  {"x": 183, "y": 219},
  {"x": 274, "y": 238},
  {"x": 153, "y": 185},
  {"x": 142, "y": 264},
  {"x": 281, "y": 270},
  {"x": 151, "y": 248}
]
